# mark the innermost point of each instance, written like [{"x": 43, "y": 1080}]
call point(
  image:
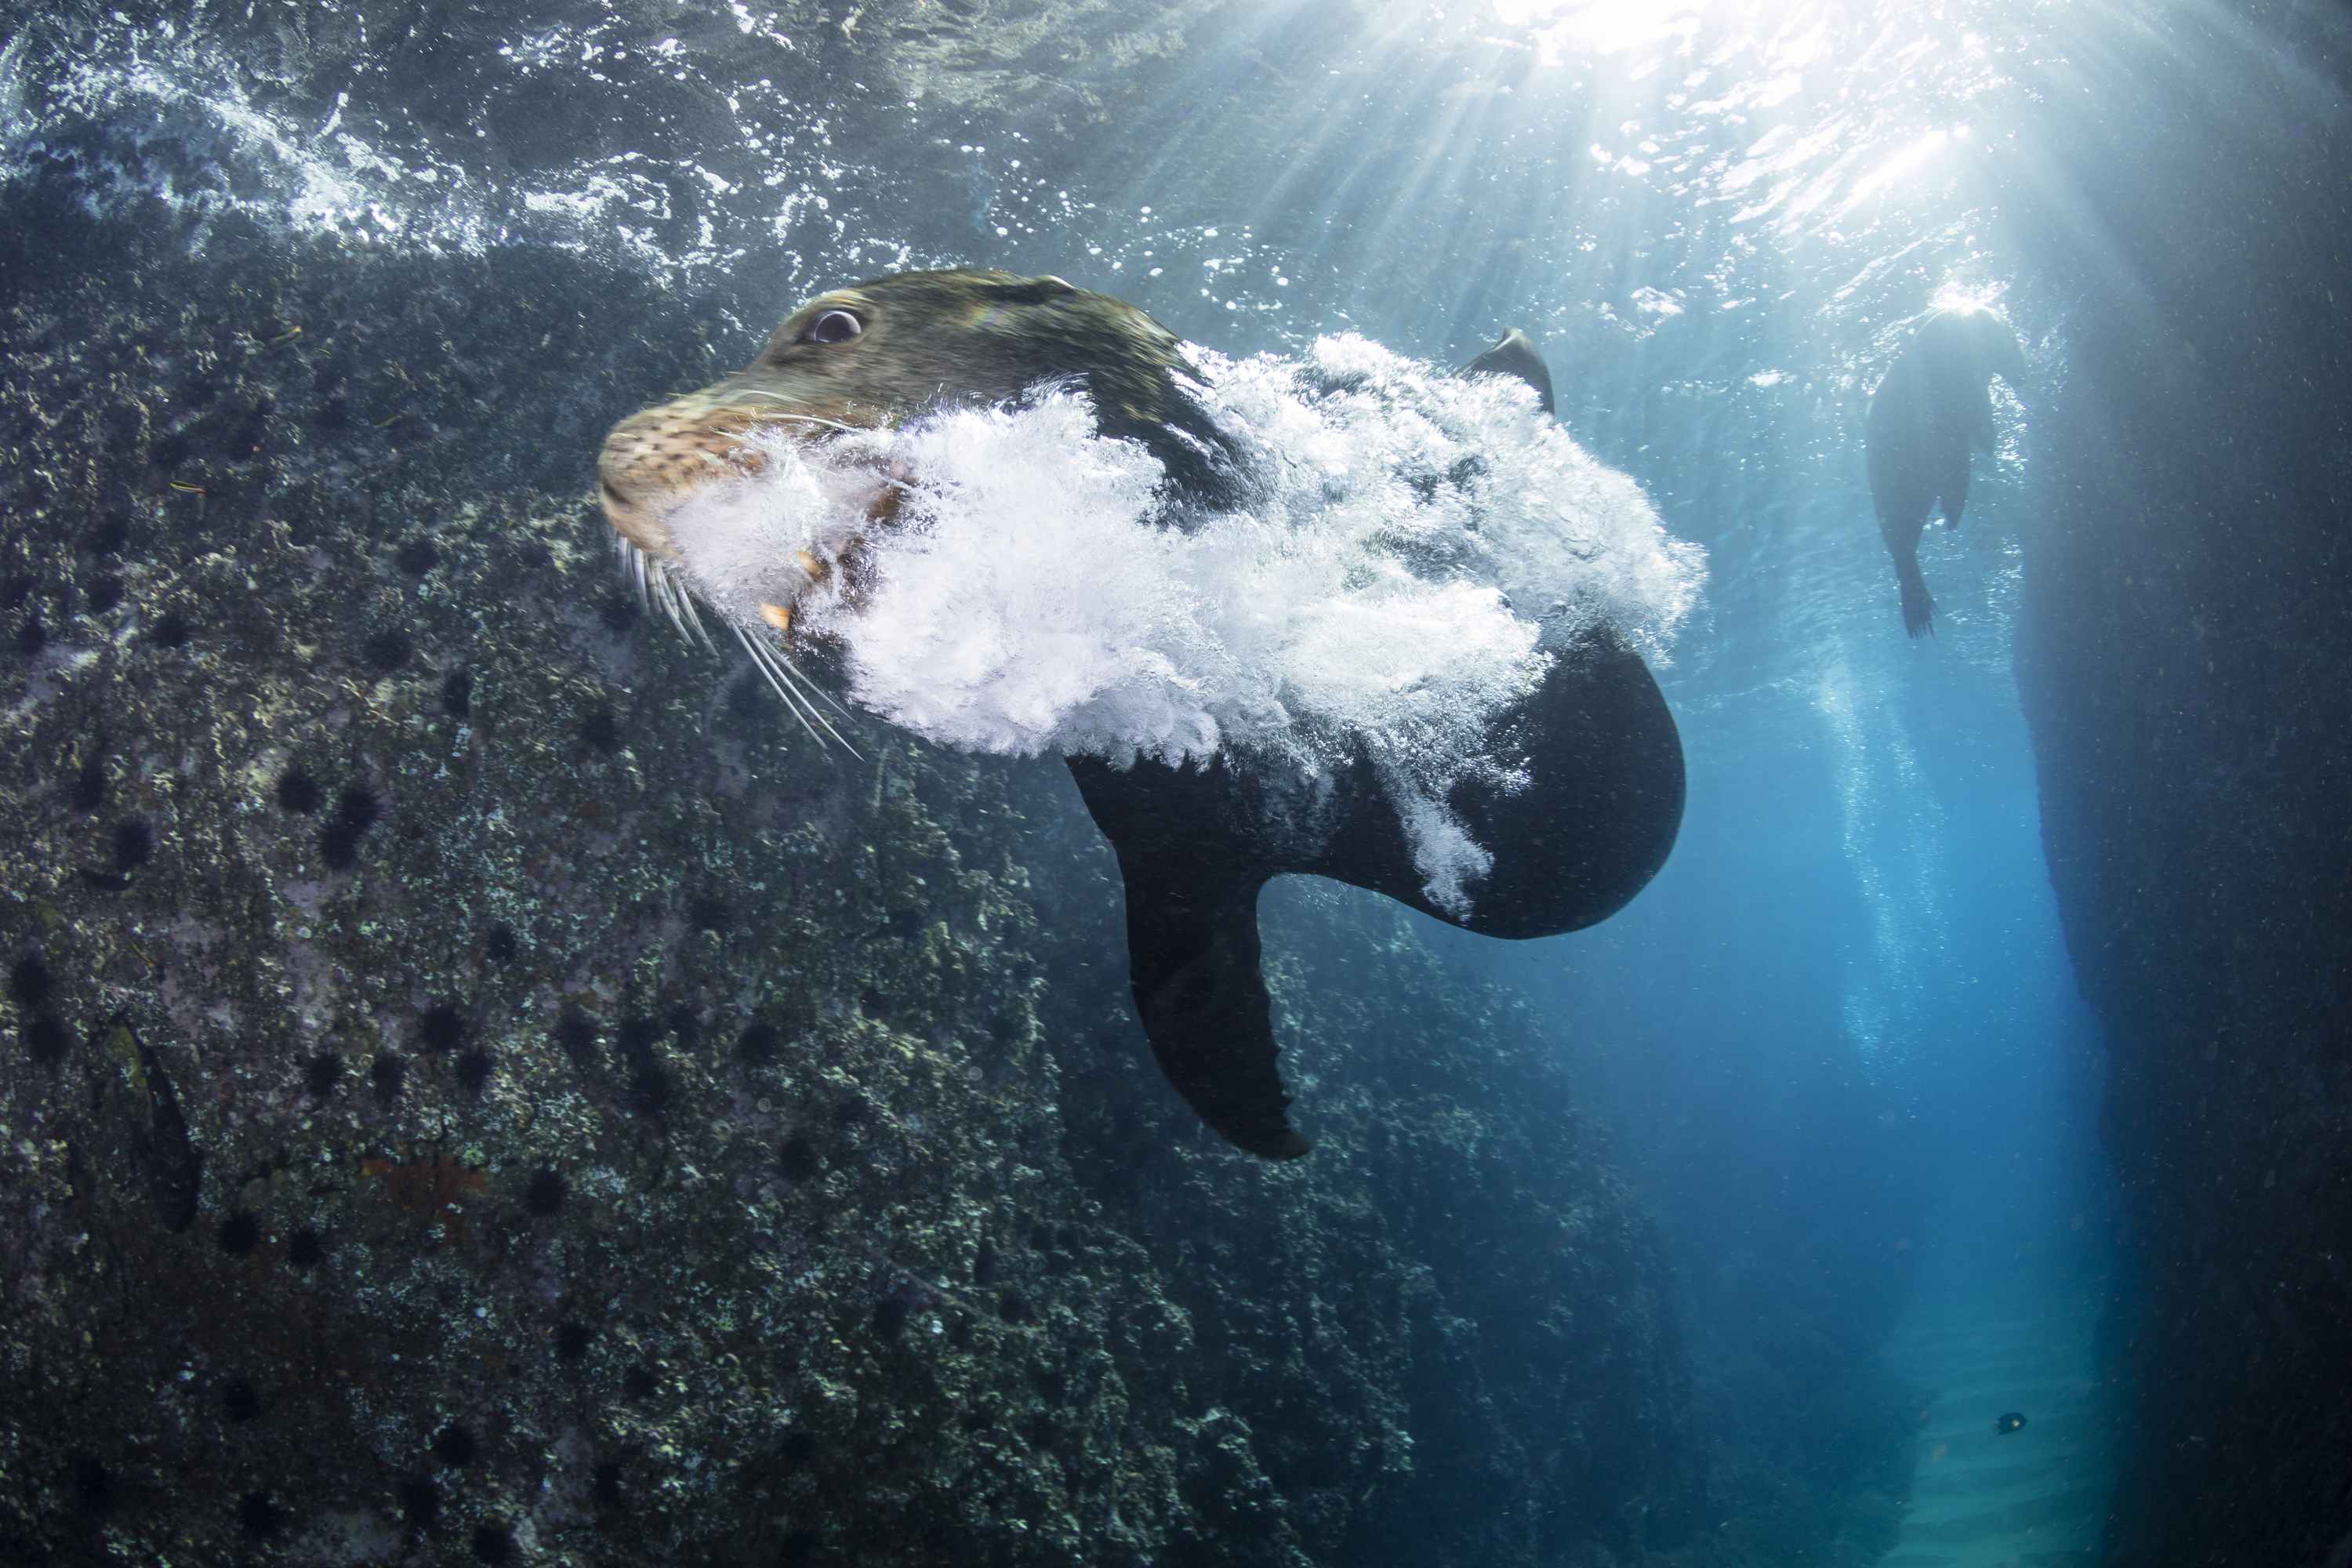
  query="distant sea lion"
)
[
  {"x": 1593, "y": 765},
  {"x": 1935, "y": 404}
]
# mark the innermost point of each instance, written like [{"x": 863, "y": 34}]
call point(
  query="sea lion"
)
[
  {"x": 1935, "y": 404},
  {"x": 1581, "y": 798}
]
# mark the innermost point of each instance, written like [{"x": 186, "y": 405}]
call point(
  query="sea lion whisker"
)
[
  {"x": 805, "y": 418},
  {"x": 684, "y": 616},
  {"x": 657, "y": 583},
  {"x": 830, "y": 700},
  {"x": 794, "y": 703},
  {"x": 795, "y": 688},
  {"x": 637, "y": 566},
  {"x": 781, "y": 618},
  {"x": 679, "y": 602},
  {"x": 778, "y": 668}
]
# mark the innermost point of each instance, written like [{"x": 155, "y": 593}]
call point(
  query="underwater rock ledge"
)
[{"x": 477, "y": 1083}]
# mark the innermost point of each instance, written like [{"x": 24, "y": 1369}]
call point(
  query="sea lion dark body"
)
[
  {"x": 1195, "y": 845},
  {"x": 1601, "y": 765},
  {"x": 1934, "y": 406}
]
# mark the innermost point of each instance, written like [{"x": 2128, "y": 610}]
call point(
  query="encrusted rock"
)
[{"x": 478, "y": 1081}]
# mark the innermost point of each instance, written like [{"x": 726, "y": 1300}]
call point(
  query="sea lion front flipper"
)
[
  {"x": 1514, "y": 355},
  {"x": 1955, "y": 490},
  {"x": 1192, "y": 881}
]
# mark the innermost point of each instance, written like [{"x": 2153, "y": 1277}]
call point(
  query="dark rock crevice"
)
[{"x": 2186, "y": 662}]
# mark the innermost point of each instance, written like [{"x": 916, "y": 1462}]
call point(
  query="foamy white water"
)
[{"x": 1415, "y": 548}]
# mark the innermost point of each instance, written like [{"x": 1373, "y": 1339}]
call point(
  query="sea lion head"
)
[
  {"x": 887, "y": 350},
  {"x": 1974, "y": 341}
]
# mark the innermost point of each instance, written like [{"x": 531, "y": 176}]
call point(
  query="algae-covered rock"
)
[
  {"x": 478, "y": 1082},
  {"x": 476, "y": 1069}
]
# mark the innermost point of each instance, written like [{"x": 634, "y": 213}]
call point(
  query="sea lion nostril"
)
[{"x": 833, "y": 327}]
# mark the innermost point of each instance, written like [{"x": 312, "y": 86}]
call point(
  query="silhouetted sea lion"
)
[
  {"x": 1597, "y": 763},
  {"x": 1935, "y": 404}
]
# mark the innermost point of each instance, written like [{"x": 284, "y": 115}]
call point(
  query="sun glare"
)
[
  {"x": 1903, "y": 166},
  {"x": 1600, "y": 26}
]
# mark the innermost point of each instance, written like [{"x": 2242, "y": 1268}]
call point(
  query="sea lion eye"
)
[{"x": 832, "y": 327}]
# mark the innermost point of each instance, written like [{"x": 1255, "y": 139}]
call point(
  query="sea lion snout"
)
[{"x": 654, "y": 459}]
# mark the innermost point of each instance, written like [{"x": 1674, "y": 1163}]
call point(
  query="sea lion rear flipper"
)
[
  {"x": 1515, "y": 356},
  {"x": 1918, "y": 609},
  {"x": 1193, "y": 947}
]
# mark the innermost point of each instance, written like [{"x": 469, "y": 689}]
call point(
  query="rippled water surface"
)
[{"x": 1716, "y": 219}]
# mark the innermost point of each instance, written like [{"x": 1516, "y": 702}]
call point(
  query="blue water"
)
[
  {"x": 1841, "y": 1050},
  {"x": 1838, "y": 1041}
]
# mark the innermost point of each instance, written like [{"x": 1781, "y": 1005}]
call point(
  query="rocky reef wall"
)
[
  {"x": 2186, "y": 660},
  {"x": 478, "y": 1084}
]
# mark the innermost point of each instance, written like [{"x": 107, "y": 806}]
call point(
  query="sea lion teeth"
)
[
  {"x": 778, "y": 616},
  {"x": 808, "y": 564}
]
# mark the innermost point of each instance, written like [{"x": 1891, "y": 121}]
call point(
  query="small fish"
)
[{"x": 2013, "y": 1422}]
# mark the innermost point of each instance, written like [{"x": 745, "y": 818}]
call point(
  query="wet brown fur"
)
[{"x": 929, "y": 338}]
